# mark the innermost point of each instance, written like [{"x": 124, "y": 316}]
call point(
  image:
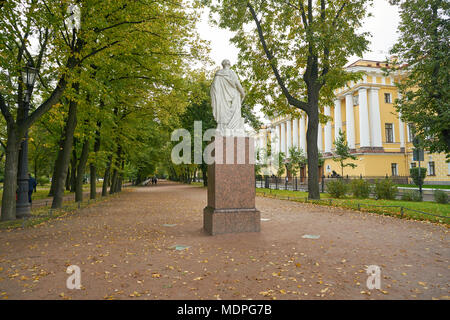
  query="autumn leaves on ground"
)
[{"x": 148, "y": 243}]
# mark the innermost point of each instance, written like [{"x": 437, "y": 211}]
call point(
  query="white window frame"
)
[
  {"x": 396, "y": 169},
  {"x": 429, "y": 168},
  {"x": 393, "y": 133},
  {"x": 390, "y": 97}
]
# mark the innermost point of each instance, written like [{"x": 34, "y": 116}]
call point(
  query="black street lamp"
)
[{"x": 23, "y": 205}]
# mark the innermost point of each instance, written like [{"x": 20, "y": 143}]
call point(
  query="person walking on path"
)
[{"x": 32, "y": 184}]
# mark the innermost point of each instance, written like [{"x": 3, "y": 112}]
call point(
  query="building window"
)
[
  {"x": 387, "y": 98},
  {"x": 394, "y": 169},
  {"x": 431, "y": 169},
  {"x": 356, "y": 100},
  {"x": 389, "y": 133},
  {"x": 413, "y": 165}
]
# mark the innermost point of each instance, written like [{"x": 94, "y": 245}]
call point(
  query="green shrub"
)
[
  {"x": 360, "y": 188},
  {"x": 42, "y": 180},
  {"x": 412, "y": 195},
  {"x": 385, "y": 189},
  {"x": 337, "y": 188},
  {"x": 440, "y": 196},
  {"x": 417, "y": 175}
]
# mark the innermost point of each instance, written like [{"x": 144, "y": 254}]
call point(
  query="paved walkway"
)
[{"x": 123, "y": 247}]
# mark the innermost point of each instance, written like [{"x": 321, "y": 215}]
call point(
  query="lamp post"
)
[{"x": 23, "y": 206}]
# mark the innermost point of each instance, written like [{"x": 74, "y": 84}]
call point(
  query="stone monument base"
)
[
  {"x": 220, "y": 221},
  {"x": 231, "y": 188}
]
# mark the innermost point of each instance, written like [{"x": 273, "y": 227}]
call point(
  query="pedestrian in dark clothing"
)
[{"x": 31, "y": 186}]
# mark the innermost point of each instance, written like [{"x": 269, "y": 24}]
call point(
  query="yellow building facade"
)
[{"x": 376, "y": 135}]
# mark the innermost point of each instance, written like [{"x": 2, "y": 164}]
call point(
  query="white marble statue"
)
[{"x": 227, "y": 95}]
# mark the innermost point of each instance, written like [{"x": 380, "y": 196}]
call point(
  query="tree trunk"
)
[
  {"x": 113, "y": 182},
  {"x": 93, "y": 181},
  {"x": 119, "y": 186},
  {"x": 68, "y": 180},
  {"x": 205, "y": 174},
  {"x": 93, "y": 165},
  {"x": 73, "y": 165},
  {"x": 106, "y": 177},
  {"x": 73, "y": 171},
  {"x": 67, "y": 148},
  {"x": 80, "y": 171},
  {"x": 56, "y": 168},
  {"x": 313, "y": 153},
  {"x": 115, "y": 175},
  {"x": 10, "y": 179}
]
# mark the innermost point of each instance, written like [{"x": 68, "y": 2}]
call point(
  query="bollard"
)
[
  {"x": 79, "y": 204},
  {"x": 401, "y": 212},
  {"x": 359, "y": 207}
]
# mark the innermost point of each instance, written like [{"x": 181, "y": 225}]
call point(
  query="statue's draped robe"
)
[{"x": 226, "y": 101}]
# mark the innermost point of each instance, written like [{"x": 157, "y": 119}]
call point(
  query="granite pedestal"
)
[{"x": 231, "y": 188}]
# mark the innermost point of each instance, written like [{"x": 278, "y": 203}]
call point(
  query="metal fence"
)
[{"x": 301, "y": 184}]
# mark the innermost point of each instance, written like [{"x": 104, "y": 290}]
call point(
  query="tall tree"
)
[
  {"x": 422, "y": 51},
  {"x": 342, "y": 153},
  {"x": 292, "y": 54},
  {"x": 297, "y": 159}
]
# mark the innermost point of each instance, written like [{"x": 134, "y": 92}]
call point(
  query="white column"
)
[
  {"x": 350, "y": 120},
  {"x": 401, "y": 126},
  {"x": 319, "y": 138},
  {"x": 277, "y": 139},
  {"x": 264, "y": 140},
  {"x": 337, "y": 118},
  {"x": 328, "y": 137},
  {"x": 364, "y": 129},
  {"x": 375, "y": 119},
  {"x": 283, "y": 138},
  {"x": 289, "y": 136},
  {"x": 303, "y": 133},
  {"x": 295, "y": 133}
]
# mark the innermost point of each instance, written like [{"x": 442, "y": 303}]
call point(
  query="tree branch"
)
[
  {"x": 292, "y": 101},
  {"x": 302, "y": 8},
  {"x": 5, "y": 111},
  {"x": 99, "y": 50},
  {"x": 338, "y": 13}
]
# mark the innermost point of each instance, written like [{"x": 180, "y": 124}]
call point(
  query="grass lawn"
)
[
  {"x": 42, "y": 214},
  {"x": 427, "y": 186},
  {"x": 42, "y": 191},
  {"x": 370, "y": 205}
]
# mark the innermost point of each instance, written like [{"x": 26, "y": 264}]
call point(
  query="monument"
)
[{"x": 231, "y": 178}]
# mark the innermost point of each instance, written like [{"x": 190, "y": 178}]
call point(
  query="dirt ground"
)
[{"x": 123, "y": 248}]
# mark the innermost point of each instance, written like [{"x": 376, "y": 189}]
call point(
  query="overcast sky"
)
[{"x": 383, "y": 26}]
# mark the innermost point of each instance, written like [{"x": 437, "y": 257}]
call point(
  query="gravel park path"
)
[{"x": 148, "y": 243}]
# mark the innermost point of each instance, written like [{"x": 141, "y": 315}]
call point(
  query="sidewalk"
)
[{"x": 148, "y": 243}]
